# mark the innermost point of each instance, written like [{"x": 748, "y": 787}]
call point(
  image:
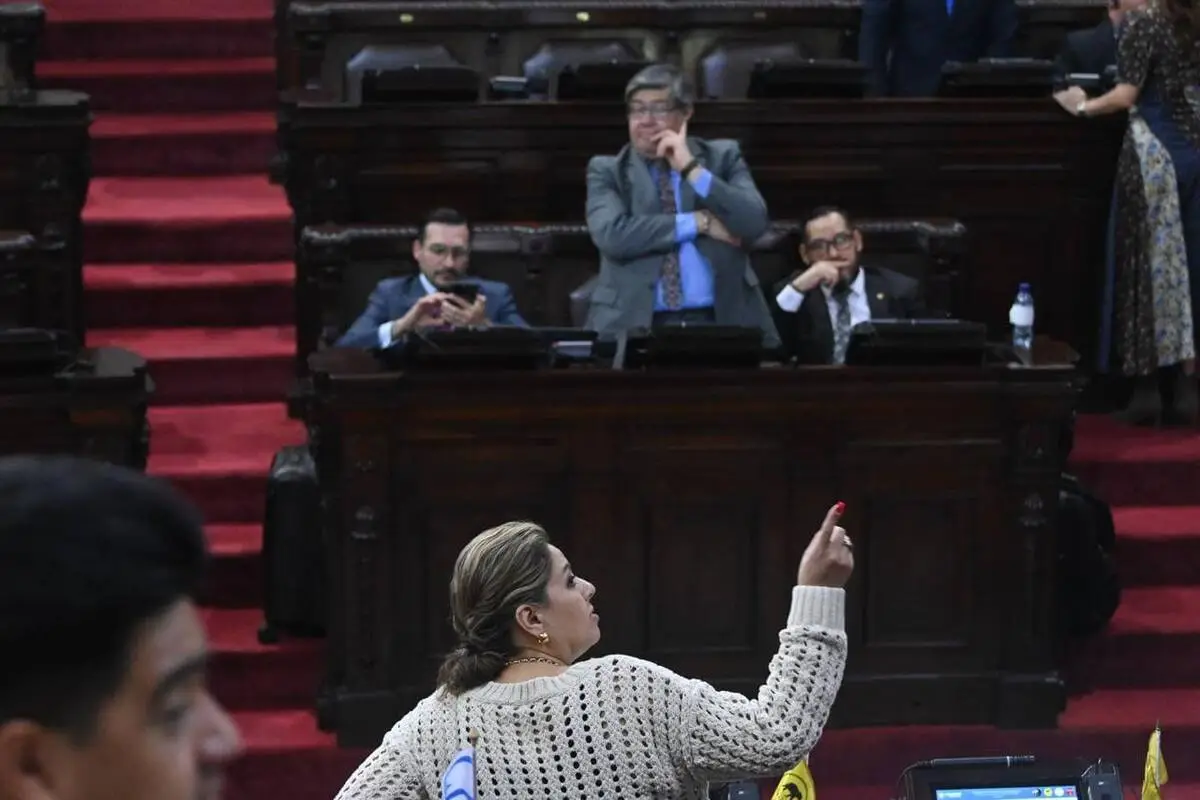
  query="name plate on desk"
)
[{"x": 917, "y": 343}]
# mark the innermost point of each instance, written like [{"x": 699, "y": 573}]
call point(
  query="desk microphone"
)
[{"x": 980, "y": 761}]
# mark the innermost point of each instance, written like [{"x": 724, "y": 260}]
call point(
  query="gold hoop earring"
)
[{"x": 543, "y": 638}]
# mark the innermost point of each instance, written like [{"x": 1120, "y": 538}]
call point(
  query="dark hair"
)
[
  {"x": 441, "y": 216},
  {"x": 498, "y": 571},
  {"x": 1185, "y": 18},
  {"x": 824, "y": 211},
  {"x": 665, "y": 77},
  {"x": 88, "y": 553}
]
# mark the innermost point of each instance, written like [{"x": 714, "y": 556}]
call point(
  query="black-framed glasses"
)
[
  {"x": 840, "y": 241},
  {"x": 652, "y": 111},
  {"x": 443, "y": 250}
]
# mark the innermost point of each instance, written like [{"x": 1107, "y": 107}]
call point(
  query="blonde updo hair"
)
[{"x": 498, "y": 571}]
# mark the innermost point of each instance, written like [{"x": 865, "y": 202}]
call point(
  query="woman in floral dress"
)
[{"x": 1156, "y": 247}]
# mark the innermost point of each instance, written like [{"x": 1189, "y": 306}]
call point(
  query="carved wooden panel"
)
[{"x": 687, "y": 497}]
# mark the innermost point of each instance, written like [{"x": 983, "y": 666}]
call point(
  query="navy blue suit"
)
[
  {"x": 394, "y": 297},
  {"x": 904, "y": 43}
]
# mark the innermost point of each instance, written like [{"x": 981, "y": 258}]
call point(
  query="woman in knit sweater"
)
[{"x": 552, "y": 727}]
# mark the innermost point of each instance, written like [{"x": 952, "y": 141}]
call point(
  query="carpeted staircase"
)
[{"x": 189, "y": 262}]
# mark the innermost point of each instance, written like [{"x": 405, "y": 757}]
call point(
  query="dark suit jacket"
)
[
  {"x": 393, "y": 298},
  {"x": 1089, "y": 51},
  {"x": 904, "y": 43},
  {"x": 807, "y": 334}
]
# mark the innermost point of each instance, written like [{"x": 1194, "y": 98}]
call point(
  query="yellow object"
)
[
  {"x": 796, "y": 784},
  {"x": 1155, "y": 776}
]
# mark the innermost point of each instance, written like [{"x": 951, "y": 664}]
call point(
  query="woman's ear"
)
[{"x": 529, "y": 620}]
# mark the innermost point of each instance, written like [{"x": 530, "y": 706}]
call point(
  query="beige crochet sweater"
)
[{"x": 619, "y": 727}]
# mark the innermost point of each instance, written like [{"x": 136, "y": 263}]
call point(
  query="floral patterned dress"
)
[{"x": 1156, "y": 246}]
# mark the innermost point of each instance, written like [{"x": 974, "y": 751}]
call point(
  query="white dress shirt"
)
[
  {"x": 790, "y": 300},
  {"x": 385, "y": 330}
]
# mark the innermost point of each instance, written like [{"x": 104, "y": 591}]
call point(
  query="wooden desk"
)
[
  {"x": 691, "y": 517},
  {"x": 337, "y": 267},
  {"x": 1030, "y": 183},
  {"x": 96, "y": 409},
  {"x": 44, "y": 175}
]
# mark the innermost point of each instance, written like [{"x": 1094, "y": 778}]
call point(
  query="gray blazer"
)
[{"x": 626, "y": 223}]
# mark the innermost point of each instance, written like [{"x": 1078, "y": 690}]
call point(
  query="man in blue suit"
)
[
  {"x": 905, "y": 43},
  {"x": 400, "y": 306}
]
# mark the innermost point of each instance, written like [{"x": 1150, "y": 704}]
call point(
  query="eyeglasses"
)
[
  {"x": 441, "y": 251},
  {"x": 840, "y": 241},
  {"x": 650, "y": 112}
]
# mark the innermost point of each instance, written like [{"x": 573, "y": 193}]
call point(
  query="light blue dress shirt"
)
[{"x": 695, "y": 273}]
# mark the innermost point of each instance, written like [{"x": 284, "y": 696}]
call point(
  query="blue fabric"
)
[
  {"x": 393, "y": 297},
  {"x": 1186, "y": 159},
  {"x": 458, "y": 781},
  {"x": 695, "y": 273}
]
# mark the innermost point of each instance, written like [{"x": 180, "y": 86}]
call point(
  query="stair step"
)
[
  {"x": 1158, "y": 545},
  {"x": 193, "y": 366},
  {"x": 238, "y": 218},
  {"x": 182, "y": 295},
  {"x": 167, "y": 84},
  {"x": 285, "y": 732},
  {"x": 235, "y": 577},
  {"x": 184, "y": 200},
  {"x": 151, "y": 38},
  {"x": 138, "y": 11},
  {"x": 182, "y": 145},
  {"x": 245, "y": 674},
  {"x": 1152, "y": 642},
  {"x": 219, "y": 456},
  {"x": 1128, "y": 466}
]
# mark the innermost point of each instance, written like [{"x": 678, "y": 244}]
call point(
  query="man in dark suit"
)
[
  {"x": 399, "y": 306},
  {"x": 905, "y": 43},
  {"x": 818, "y": 306},
  {"x": 1093, "y": 50},
  {"x": 669, "y": 215}
]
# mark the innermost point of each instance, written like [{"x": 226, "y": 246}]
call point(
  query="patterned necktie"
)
[
  {"x": 672, "y": 283},
  {"x": 841, "y": 326}
]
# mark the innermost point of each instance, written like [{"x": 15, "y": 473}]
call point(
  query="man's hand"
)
[
  {"x": 461, "y": 314},
  {"x": 425, "y": 313},
  {"x": 672, "y": 145},
  {"x": 718, "y": 231},
  {"x": 822, "y": 273}
]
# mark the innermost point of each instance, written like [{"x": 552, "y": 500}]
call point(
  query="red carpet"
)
[{"x": 189, "y": 262}]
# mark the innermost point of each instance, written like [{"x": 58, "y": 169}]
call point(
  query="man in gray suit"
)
[
  {"x": 672, "y": 217},
  {"x": 428, "y": 299}
]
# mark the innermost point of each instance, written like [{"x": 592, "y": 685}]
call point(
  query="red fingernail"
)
[{"x": 840, "y": 507}]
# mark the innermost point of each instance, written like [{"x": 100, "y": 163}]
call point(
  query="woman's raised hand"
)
[{"x": 829, "y": 558}]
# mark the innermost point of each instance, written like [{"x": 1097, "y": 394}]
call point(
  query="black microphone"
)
[{"x": 981, "y": 761}]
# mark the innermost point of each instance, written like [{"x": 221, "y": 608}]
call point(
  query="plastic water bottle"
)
[{"x": 1021, "y": 318}]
